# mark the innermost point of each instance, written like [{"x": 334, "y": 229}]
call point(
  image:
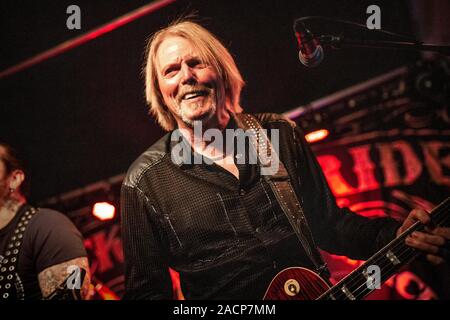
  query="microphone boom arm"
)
[{"x": 339, "y": 41}]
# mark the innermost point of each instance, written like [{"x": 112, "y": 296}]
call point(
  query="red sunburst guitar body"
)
[{"x": 296, "y": 284}]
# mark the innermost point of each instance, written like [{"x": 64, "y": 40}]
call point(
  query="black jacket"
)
[{"x": 227, "y": 241}]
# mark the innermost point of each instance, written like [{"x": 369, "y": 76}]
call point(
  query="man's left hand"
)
[{"x": 434, "y": 242}]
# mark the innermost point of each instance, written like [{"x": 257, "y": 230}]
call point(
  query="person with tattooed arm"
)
[{"x": 41, "y": 251}]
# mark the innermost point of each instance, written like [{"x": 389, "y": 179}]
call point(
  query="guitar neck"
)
[{"x": 385, "y": 263}]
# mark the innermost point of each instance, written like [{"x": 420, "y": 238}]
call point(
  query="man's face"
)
[{"x": 188, "y": 85}]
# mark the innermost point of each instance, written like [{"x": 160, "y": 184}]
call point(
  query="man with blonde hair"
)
[
  {"x": 211, "y": 51},
  {"x": 223, "y": 225}
]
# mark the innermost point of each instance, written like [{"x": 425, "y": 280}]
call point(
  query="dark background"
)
[{"x": 81, "y": 116}]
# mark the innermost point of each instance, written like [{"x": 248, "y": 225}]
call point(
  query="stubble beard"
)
[{"x": 185, "y": 108}]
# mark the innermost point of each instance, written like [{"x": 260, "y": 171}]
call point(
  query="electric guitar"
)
[{"x": 303, "y": 284}]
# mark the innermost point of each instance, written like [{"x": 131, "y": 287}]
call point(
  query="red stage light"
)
[
  {"x": 103, "y": 211},
  {"x": 105, "y": 293},
  {"x": 317, "y": 135}
]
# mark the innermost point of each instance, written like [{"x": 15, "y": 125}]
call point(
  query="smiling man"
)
[
  {"x": 223, "y": 226},
  {"x": 188, "y": 86}
]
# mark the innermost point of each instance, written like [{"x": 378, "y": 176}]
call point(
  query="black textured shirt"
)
[{"x": 227, "y": 237}]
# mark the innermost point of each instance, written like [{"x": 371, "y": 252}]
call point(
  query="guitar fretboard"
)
[{"x": 385, "y": 263}]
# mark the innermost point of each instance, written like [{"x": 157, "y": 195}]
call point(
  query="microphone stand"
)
[{"x": 340, "y": 41}]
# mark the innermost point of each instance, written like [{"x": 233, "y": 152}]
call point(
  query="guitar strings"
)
[
  {"x": 386, "y": 265},
  {"x": 407, "y": 256},
  {"x": 405, "y": 253},
  {"x": 389, "y": 268}
]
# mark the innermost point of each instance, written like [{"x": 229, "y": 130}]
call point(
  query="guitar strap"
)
[
  {"x": 282, "y": 188},
  {"x": 11, "y": 286}
]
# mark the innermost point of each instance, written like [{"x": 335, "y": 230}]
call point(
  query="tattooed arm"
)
[{"x": 53, "y": 276}]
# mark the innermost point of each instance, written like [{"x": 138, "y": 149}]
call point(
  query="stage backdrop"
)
[{"x": 388, "y": 152}]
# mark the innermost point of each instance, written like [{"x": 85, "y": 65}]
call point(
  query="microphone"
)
[{"x": 310, "y": 51}]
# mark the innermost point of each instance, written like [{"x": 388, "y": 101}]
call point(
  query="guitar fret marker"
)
[
  {"x": 365, "y": 274},
  {"x": 348, "y": 293},
  {"x": 392, "y": 258}
]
